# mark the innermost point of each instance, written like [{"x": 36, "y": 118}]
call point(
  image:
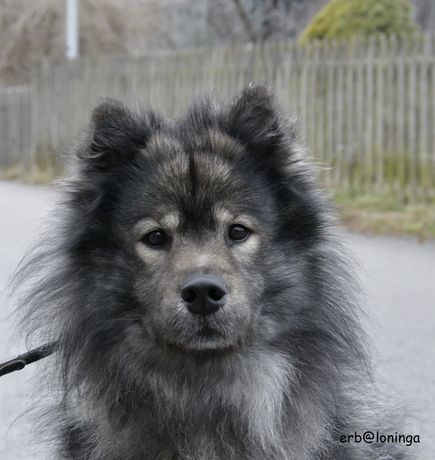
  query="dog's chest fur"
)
[{"x": 246, "y": 416}]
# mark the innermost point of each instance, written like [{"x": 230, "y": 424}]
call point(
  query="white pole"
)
[{"x": 72, "y": 29}]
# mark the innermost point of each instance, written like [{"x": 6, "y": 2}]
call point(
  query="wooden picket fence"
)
[{"x": 367, "y": 108}]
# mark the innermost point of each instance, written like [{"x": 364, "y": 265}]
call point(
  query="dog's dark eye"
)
[
  {"x": 238, "y": 232},
  {"x": 156, "y": 238}
]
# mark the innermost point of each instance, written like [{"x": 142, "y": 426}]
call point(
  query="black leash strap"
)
[{"x": 18, "y": 363}]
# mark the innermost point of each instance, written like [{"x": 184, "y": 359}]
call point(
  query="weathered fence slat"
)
[{"x": 15, "y": 127}]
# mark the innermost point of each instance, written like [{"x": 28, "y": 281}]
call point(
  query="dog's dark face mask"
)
[{"x": 183, "y": 221}]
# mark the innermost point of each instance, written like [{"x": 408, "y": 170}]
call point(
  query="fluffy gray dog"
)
[{"x": 202, "y": 306}]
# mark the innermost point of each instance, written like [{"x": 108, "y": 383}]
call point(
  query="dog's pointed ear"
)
[
  {"x": 254, "y": 119},
  {"x": 115, "y": 134}
]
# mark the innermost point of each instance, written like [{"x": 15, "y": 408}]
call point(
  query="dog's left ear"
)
[
  {"x": 116, "y": 134},
  {"x": 255, "y": 120}
]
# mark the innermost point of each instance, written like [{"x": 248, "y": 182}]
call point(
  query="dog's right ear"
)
[
  {"x": 116, "y": 135},
  {"x": 255, "y": 120}
]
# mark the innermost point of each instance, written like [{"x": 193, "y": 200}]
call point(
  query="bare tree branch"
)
[{"x": 246, "y": 20}]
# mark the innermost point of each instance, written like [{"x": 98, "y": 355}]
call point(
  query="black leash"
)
[{"x": 18, "y": 363}]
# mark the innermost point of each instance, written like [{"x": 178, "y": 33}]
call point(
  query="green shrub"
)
[{"x": 342, "y": 19}]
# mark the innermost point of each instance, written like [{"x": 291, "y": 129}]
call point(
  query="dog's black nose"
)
[{"x": 203, "y": 294}]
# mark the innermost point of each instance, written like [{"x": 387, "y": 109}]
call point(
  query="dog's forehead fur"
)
[
  {"x": 200, "y": 159},
  {"x": 197, "y": 178},
  {"x": 208, "y": 140}
]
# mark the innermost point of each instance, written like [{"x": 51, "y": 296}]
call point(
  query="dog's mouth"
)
[
  {"x": 203, "y": 352},
  {"x": 204, "y": 337},
  {"x": 208, "y": 332},
  {"x": 205, "y": 342}
]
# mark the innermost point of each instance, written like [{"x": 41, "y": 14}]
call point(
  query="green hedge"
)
[{"x": 342, "y": 19}]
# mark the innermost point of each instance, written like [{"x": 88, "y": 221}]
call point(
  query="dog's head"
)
[{"x": 191, "y": 236}]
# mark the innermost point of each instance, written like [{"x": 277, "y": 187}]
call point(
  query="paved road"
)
[{"x": 398, "y": 274}]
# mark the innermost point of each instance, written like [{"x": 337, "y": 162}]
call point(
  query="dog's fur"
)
[{"x": 279, "y": 372}]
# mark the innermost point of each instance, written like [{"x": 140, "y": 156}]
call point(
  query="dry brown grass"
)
[{"x": 385, "y": 214}]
